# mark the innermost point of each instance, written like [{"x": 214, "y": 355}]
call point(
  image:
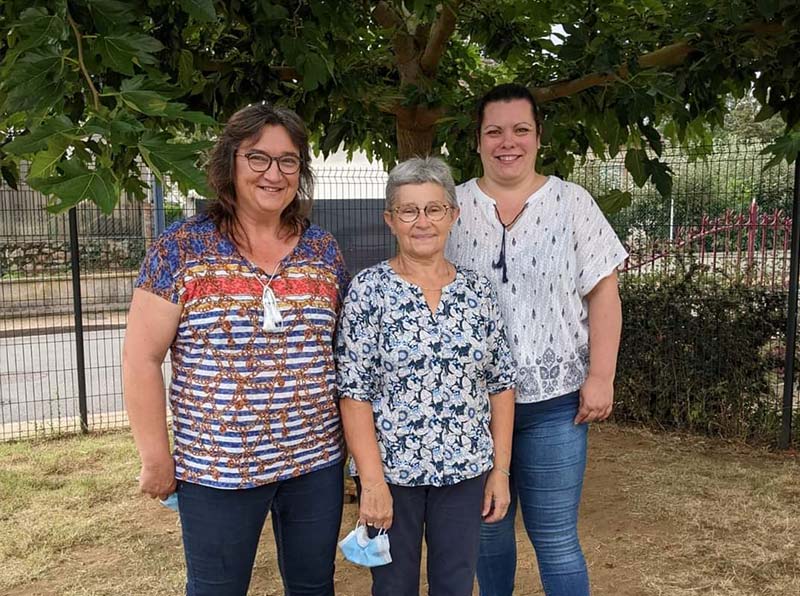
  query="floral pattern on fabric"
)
[{"x": 428, "y": 375}]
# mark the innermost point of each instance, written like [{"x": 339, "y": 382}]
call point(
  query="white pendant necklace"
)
[{"x": 272, "y": 321}]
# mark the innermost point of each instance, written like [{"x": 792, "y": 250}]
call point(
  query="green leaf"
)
[
  {"x": 176, "y": 160},
  {"x": 786, "y": 147},
  {"x": 653, "y": 137},
  {"x": 110, "y": 14},
  {"x": 186, "y": 69},
  {"x": 35, "y": 81},
  {"x": 37, "y": 139},
  {"x": 77, "y": 183},
  {"x": 765, "y": 113},
  {"x": 43, "y": 162},
  {"x": 36, "y": 29},
  {"x": 10, "y": 173},
  {"x": 200, "y": 10},
  {"x": 636, "y": 162},
  {"x": 614, "y": 201},
  {"x": 146, "y": 101},
  {"x": 662, "y": 177},
  {"x": 121, "y": 51},
  {"x": 613, "y": 132},
  {"x": 314, "y": 71}
]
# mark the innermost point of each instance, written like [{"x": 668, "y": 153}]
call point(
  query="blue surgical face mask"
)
[
  {"x": 357, "y": 547},
  {"x": 170, "y": 502}
]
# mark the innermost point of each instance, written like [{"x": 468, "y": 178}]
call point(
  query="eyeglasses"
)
[
  {"x": 261, "y": 162},
  {"x": 410, "y": 213}
]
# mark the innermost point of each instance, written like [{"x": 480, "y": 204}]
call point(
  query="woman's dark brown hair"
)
[
  {"x": 509, "y": 92},
  {"x": 245, "y": 125}
]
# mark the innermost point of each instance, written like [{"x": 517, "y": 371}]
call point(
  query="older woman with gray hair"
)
[{"x": 426, "y": 381}]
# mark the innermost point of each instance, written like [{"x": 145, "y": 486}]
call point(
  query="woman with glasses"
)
[
  {"x": 552, "y": 258},
  {"x": 426, "y": 379},
  {"x": 246, "y": 299}
]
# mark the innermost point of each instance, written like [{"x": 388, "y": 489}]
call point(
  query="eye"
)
[
  {"x": 434, "y": 210},
  {"x": 522, "y": 130},
  {"x": 289, "y": 161},
  {"x": 408, "y": 211},
  {"x": 494, "y": 132},
  {"x": 258, "y": 160}
]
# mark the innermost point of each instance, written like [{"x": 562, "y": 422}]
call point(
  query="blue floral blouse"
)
[{"x": 428, "y": 375}]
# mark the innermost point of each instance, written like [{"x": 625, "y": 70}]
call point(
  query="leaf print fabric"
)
[{"x": 428, "y": 375}]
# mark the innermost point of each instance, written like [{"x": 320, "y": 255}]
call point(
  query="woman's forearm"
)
[
  {"x": 362, "y": 442},
  {"x": 143, "y": 386},
  {"x": 605, "y": 327},
  {"x": 501, "y": 428}
]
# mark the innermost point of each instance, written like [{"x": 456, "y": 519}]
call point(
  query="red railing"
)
[{"x": 752, "y": 246}]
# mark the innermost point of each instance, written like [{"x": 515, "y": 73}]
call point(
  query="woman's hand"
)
[
  {"x": 376, "y": 508},
  {"x": 597, "y": 400},
  {"x": 157, "y": 479},
  {"x": 496, "y": 496}
]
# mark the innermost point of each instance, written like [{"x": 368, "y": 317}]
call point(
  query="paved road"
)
[{"x": 39, "y": 382}]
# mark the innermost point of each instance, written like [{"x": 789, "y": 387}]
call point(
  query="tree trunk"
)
[{"x": 416, "y": 129}]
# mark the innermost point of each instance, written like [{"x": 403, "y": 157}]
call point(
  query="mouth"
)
[
  {"x": 507, "y": 158},
  {"x": 268, "y": 188}
]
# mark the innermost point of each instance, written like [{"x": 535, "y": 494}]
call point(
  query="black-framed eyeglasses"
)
[
  {"x": 261, "y": 162},
  {"x": 410, "y": 213}
]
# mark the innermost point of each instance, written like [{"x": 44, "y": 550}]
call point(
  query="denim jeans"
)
[
  {"x": 547, "y": 465},
  {"x": 221, "y": 529}
]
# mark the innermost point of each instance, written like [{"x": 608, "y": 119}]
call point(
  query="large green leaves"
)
[
  {"x": 78, "y": 182},
  {"x": 120, "y": 51},
  {"x": 177, "y": 160}
]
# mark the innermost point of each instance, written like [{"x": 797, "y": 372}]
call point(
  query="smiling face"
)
[
  {"x": 423, "y": 238},
  {"x": 264, "y": 195},
  {"x": 508, "y": 141}
]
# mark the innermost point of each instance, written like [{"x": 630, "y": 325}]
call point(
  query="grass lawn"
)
[{"x": 662, "y": 515}]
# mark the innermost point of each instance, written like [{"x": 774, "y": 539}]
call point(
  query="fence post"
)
[
  {"x": 791, "y": 319},
  {"x": 158, "y": 201},
  {"x": 77, "y": 309}
]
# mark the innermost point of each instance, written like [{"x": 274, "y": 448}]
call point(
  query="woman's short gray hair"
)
[{"x": 419, "y": 170}]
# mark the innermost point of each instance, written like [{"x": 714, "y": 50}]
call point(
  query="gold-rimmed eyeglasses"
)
[
  {"x": 261, "y": 162},
  {"x": 410, "y": 213}
]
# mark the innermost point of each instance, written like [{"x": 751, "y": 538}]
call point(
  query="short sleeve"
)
[
  {"x": 598, "y": 251},
  {"x": 358, "y": 362},
  {"x": 160, "y": 273},
  {"x": 501, "y": 369}
]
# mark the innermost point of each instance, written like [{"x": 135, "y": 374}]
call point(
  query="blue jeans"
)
[
  {"x": 221, "y": 529},
  {"x": 547, "y": 465}
]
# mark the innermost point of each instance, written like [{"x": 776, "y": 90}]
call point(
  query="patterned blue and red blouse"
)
[{"x": 249, "y": 406}]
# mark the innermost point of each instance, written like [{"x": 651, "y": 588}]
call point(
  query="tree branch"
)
[
  {"x": 672, "y": 55},
  {"x": 79, "y": 42},
  {"x": 441, "y": 31},
  {"x": 386, "y": 16}
]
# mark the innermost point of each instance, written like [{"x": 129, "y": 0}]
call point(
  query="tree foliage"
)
[{"x": 90, "y": 88}]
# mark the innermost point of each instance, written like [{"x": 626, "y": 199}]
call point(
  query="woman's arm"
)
[
  {"x": 152, "y": 323},
  {"x": 362, "y": 442},
  {"x": 496, "y": 494},
  {"x": 605, "y": 327}
]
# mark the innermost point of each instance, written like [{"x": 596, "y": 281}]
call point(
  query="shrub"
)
[{"x": 700, "y": 353}]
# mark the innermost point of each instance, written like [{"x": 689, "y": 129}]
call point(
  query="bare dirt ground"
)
[{"x": 662, "y": 515}]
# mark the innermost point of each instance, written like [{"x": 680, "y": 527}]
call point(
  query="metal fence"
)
[{"x": 49, "y": 385}]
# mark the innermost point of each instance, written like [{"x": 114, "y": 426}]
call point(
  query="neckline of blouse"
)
[{"x": 404, "y": 282}]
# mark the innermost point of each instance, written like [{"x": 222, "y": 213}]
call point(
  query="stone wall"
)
[{"x": 22, "y": 258}]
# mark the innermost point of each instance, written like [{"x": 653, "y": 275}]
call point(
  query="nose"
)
[{"x": 272, "y": 172}]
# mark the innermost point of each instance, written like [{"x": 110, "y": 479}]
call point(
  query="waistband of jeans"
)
[{"x": 568, "y": 400}]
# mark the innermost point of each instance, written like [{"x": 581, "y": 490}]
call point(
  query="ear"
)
[{"x": 387, "y": 218}]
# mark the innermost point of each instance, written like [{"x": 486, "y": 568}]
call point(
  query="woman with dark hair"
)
[
  {"x": 246, "y": 300},
  {"x": 552, "y": 258}
]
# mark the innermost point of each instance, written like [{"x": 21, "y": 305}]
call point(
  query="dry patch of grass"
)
[{"x": 662, "y": 515}]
